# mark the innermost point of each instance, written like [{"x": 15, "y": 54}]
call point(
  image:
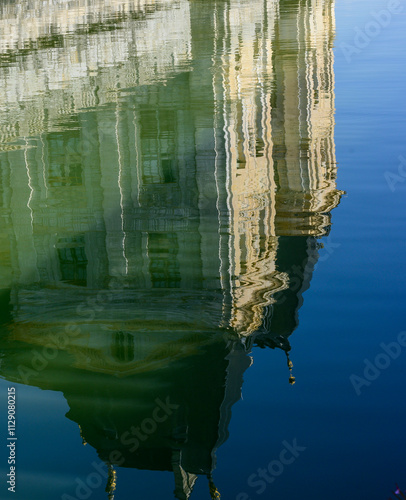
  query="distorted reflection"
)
[{"x": 167, "y": 169}]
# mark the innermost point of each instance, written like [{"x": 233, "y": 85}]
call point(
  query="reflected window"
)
[
  {"x": 240, "y": 136},
  {"x": 163, "y": 257},
  {"x": 259, "y": 147},
  {"x": 168, "y": 171},
  {"x": 64, "y": 160},
  {"x": 5, "y": 305},
  {"x": 158, "y": 144},
  {"x": 4, "y": 169},
  {"x": 72, "y": 260},
  {"x": 159, "y": 171},
  {"x": 122, "y": 349}
]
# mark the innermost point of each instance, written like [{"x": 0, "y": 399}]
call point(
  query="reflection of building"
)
[
  {"x": 163, "y": 196},
  {"x": 149, "y": 187}
]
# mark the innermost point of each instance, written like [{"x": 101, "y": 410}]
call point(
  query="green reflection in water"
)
[{"x": 166, "y": 171}]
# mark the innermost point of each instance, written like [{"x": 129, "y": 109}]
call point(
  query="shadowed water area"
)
[{"x": 168, "y": 181}]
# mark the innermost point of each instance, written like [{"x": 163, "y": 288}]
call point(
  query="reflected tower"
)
[{"x": 274, "y": 89}]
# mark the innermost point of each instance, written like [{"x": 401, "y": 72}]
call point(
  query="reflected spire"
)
[
  {"x": 292, "y": 379},
  {"x": 214, "y": 492},
  {"x": 111, "y": 482},
  {"x": 84, "y": 442},
  {"x": 184, "y": 481}
]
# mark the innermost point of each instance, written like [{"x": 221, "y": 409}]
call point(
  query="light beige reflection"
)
[{"x": 277, "y": 83}]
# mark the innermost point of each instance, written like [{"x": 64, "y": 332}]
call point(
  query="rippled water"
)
[{"x": 169, "y": 175}]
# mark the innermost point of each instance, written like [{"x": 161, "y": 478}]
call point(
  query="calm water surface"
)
[{"x": 202, "y": 248}]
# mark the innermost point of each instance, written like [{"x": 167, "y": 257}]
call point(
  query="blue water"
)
[{"x": 354, "y": 444}]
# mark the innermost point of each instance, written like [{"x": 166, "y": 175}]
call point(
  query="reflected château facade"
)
[{"x": 152, "y": 164}]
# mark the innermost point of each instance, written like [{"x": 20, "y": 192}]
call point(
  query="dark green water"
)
[{"x": 170, "y": 172}]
